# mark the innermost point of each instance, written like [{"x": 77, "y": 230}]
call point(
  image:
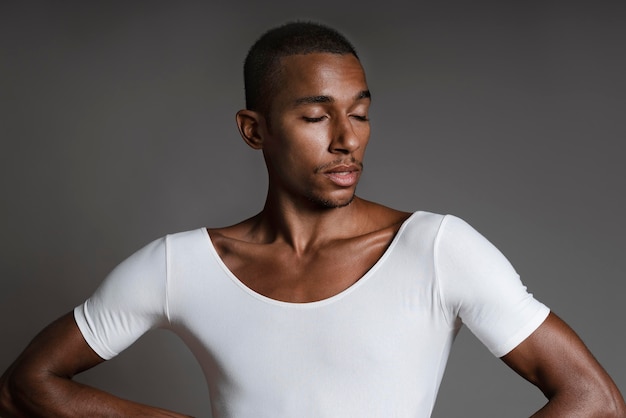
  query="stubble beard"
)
[{"x": 331, "y": 204}]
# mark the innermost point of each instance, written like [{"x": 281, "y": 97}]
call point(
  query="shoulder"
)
[
  {"x": 189, "y": 236},
  {"x": 185, "y": 245},
  {"x": 457, "y": 238},
  {"x": 444, "y": 228},
  {"x": 374, "y": 216},
  {"x": 157, "y": 251}
]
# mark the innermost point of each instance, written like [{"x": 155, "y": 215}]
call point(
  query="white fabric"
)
[{"x": 377, "y": 349}]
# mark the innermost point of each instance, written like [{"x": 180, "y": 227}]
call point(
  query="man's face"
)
[{"x": 318, "y": 128}]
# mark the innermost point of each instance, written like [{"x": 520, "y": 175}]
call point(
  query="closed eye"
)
[
  {"x": 313, "y": 120},
  {"x": 361, "y": 118}
]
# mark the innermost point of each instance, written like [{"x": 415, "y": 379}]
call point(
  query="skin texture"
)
[
  {"x": 555, "y": 360},
  {"x": 38, "y": 383},
  {"x": 316, "y": 123},
  {"x": 317, "y": 130},
  {"x": 313, "y": 142}
]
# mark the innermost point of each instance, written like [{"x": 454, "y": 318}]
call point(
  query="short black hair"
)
[{"x": 262, "y": 64}]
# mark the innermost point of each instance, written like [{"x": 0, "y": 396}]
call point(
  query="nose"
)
[{"x": 346, "y": 137}]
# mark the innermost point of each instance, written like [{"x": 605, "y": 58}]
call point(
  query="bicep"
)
[
  {"x": 39, "y": 383},
  {"x": 59, "y": 350},
  {"x": 556, "y": 360}
]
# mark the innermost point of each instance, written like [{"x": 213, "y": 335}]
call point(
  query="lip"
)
[{"x": 343, "y": 175}]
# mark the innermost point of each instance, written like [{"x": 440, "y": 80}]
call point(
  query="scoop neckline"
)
[{"x": 317, "y": 303}]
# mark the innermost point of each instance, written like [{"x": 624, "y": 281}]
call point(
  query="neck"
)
[{"x": 306, "y": 225}]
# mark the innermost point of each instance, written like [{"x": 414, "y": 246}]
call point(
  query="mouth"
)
[{"x": 343, "y": 175}]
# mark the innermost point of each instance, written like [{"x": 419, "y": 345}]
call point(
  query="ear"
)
[{"x": 250, "y": 125}]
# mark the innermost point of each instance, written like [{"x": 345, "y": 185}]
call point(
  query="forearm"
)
[{"x": 53, "y": 396}]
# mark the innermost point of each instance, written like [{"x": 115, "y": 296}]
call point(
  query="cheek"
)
[
  {"x": 364, "y": 135},
  {"x": 365, "y": 132},
  {"x": 292, "y": 150},
  {"x": 306, "y": 140}
]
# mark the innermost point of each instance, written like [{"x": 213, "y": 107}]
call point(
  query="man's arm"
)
[
  {"x": 555, "y": 360},
  {"x": 39, "y": 383}
]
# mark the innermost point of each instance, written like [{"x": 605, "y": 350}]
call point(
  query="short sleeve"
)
[
  {"x": 130, "y": 301},
  {"x": 479, "y": 286}
]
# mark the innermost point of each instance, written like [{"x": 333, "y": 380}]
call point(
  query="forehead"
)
[{"x": 318, "y": 74}]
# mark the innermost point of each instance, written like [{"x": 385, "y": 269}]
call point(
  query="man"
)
[{"x": 323, "y": 304}]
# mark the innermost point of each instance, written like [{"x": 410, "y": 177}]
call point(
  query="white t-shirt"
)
[{"x": 377, "y": 349}]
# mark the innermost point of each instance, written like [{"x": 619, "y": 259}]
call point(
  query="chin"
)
[{"x": 328, "y": 203}]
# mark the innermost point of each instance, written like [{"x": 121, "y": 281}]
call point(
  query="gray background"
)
[{"x": 117, "y": 127}]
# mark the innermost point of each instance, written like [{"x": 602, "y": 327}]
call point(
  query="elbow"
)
[
  {"x": 7, "y": 403},
  {"x": 593, "y": 401},
  {"x": 16, "y": 390},
  {"x": 609, "y": 404},
  {"x": 616, "y": 408},
  {"x": 612, "y": 411}
]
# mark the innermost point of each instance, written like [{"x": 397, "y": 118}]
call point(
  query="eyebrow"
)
[{"x": 365, "y": 94}]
